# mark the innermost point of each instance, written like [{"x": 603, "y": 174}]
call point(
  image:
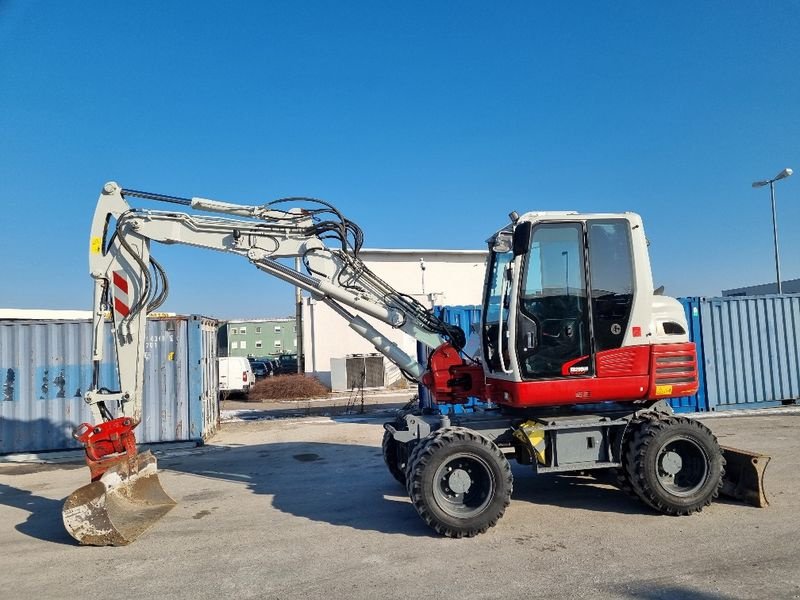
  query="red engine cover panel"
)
[
  {"x": 623, "y": 374},
  {"x": 673, "y": 371},
  {"x": 573, "y": 390},
  {"x": 619, "y": 362}
]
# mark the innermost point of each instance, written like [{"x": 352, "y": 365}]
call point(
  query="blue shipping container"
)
[
  {"x": 751, "y": 349},
  {"x": 46, "y": 368},
  {"x": 696, "y": 403}
]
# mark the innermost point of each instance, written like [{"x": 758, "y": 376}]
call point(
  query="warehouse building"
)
[
  {"x": 433, "y": 277},
  {"x": 791, "y": 286}
]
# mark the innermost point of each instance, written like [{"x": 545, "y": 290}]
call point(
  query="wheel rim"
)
[
  {"x": 463, "y": 485},
  {"x": 682, "y": 466}
]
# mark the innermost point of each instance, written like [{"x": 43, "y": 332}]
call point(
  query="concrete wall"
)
[{"x": 449, "y": 277}]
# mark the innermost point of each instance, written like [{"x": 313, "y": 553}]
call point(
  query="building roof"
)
[
  {"x": 418, "y": 251},
  {"x": 262, "y": 320},
  {"x": 791, "y": 286}
]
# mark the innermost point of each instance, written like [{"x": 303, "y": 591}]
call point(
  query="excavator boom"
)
[{"x": 125, "y": 495}]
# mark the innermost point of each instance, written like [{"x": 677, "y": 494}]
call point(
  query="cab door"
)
[{"x": 553, "y": 321}]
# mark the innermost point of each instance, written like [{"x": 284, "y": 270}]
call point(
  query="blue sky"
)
[{"x": 426, "y": 123}]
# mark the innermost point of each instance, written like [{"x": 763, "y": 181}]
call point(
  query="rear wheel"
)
[
  {"x": 674, "y": 464},
  {"x": 459, "y": 482}
]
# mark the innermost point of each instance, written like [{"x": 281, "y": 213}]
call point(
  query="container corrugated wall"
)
[
  {"x": 203, "y": 377},
  {"x": 45, "y": 367},
  {"x": 751, "y": 347},
  {"x": 696, "y": 403}
]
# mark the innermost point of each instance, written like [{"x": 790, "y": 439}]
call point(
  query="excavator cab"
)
[{"x": 570, "y": 315}]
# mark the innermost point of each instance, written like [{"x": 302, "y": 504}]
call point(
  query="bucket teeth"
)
[
  {"x": 744, "y": 476},
  {"x": 120, "y": 506}
]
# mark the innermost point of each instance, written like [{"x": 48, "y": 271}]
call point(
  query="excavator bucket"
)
[
  {"x": 744, "y": 476},
  {"x": 120, "y": 506}
]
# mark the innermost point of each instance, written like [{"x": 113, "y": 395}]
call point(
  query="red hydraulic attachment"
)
[
  {"x": 107, "y": 444},
  {"x": 450, "y": 380}
]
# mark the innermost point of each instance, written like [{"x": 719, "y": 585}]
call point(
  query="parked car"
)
[
  {"x": 288, "y": 363},
  {"x": 235, "y": 375},
  {"x": 261, "y": 369},
  {"x": 272, "y": 365}
]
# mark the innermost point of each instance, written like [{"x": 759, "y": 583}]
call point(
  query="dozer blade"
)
[
  {"x": 744, "y": 476},
  {"x": 117, "y": 508}
]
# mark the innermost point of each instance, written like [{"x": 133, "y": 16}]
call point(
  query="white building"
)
[{"x": 434, "y": 277}]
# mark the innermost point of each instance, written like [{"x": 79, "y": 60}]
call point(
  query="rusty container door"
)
[{"x": 203, "y": 377}]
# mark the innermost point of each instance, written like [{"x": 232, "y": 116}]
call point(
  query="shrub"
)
[{"x": 288, "y": 387}]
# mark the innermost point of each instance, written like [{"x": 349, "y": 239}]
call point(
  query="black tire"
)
[
  {"x": 391, "y": 457},
  {"x": 620, "y": 474},
  {"x": 459, "y": 482},
  {"x": 395, "y": 455},
  {"x": 674, "y": 464}
]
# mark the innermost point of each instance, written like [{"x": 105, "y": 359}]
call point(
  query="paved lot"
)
[
  {"x": 335, "y": 405},
  {"x": 305, "y": 509}
]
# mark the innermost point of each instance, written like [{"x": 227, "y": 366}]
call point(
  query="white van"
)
[{"x": 235, "y": 375}]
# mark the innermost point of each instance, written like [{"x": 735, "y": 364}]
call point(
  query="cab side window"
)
[{"x": 611, "y": 272}]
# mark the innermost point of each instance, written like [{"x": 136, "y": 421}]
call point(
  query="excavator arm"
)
[{"x": 125, "y": 495}]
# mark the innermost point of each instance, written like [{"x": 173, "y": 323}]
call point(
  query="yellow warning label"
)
[
  {"x": 663, "y": 390},
  {"x": 96, "y": 245}
]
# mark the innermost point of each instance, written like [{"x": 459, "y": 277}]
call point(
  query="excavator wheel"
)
[
  {"x": 391, "y": 457},
  {"x": 619, "y": 475},
  {"x": 674, "y": 464},
  {"x": 395, "y": 455},
  {"x": 459, "y": 482}
]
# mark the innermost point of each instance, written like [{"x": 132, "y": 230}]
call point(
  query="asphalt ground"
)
[
  {"x": 305, "y": 508},
  {"x": 341, "y": 404}
]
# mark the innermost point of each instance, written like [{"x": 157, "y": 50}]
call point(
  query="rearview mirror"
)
[{"x": 502, "y": 243}]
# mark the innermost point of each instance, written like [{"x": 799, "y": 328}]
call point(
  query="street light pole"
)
[
  {"x": 771, "y": 182},
  {"x": 775, "y": 236}
]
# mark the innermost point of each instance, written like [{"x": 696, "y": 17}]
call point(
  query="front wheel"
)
[
  {"x": 459, "y": 482},
  {"x": 391, "y": 456},
  {"x": 674, "y": 464}
]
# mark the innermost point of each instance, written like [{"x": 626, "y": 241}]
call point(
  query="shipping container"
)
[
  {"x": 698, "y": 402},
  {"x": 751, "y": 348},
  {"x": 45, "y": 368}
]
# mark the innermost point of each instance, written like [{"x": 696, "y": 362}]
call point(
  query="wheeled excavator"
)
[{"x": 578, "y": 356}]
